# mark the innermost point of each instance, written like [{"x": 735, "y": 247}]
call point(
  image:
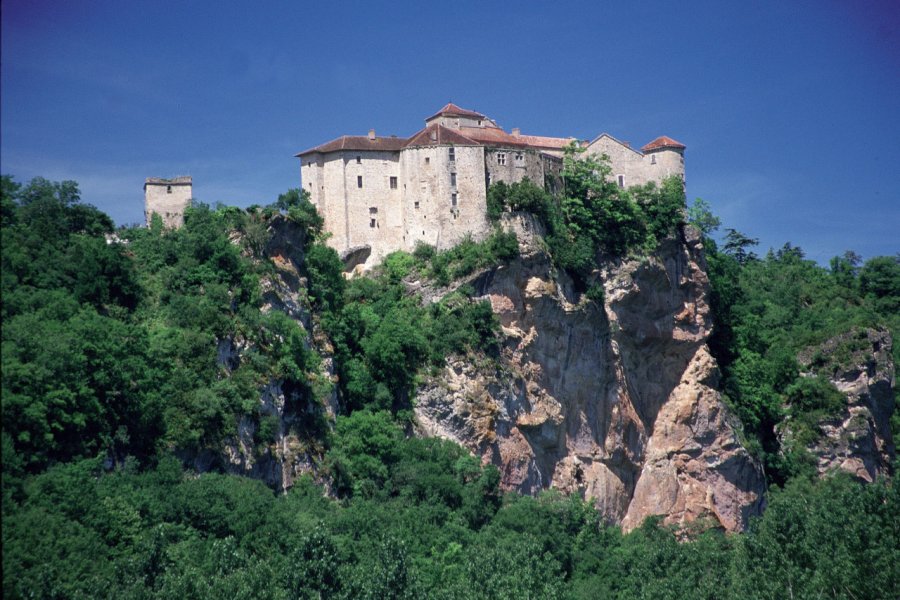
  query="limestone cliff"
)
[
  {"x": 615, "y": 400},
  {"x": 857, "y": 439},
  {"x": 297, "y": 414}
]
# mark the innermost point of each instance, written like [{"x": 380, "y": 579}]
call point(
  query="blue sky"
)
[{"x": 790, "y": 110}]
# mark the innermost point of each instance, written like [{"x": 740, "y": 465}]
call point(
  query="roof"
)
[
  {"x": 436, "y": 134},
  {"x": 358, "y": 142},
  {"x": 452, "y": 110},
  {"x": 663, "y": 142},
  {"x": 181, "y": 180}
]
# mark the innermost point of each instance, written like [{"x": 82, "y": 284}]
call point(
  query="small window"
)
[
  {"x": 427, "y": 160},
  {"x": 168, "y": 189},
  {"x": 359, "y": 160},
  {"x": 452, "y": 179},
  {"x": 416, "y": 204},
  {"x": 621, "y": 181},
  {"x": 520, "y": 158},
  {"x": 501, "y": 158},
  {"x": 452, "y": 153},
  {"x": 653, "y": 160},
  {"x": 453, "y": 199},
  {"x": 373, "y": 210},
  {"x": 393, "y": 183},
  {"x": 359, "y": 181},
  {"x": 372, "y": 223}
]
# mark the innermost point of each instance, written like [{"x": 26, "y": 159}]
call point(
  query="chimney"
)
[
  {"x": 371, "y": 134},
  {"x": 516, "y": 132}
]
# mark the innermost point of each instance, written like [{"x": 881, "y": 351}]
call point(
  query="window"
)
[
  {"x": 621, "y": 181},
  {"x": 501, "y": 158},
  {"x": 453, "y": 199},
  {"x": 427, "y": 160},
  {"x": 373, "y": 210},
  {"x": 372, "y": 222},
  {"x": 653, "y": 160},
  {"x": 358, "y": 160},
  {"x": 168, "y": 189},
  {"x": 416, "y": 204},
  {"x": 452, "y": 179},
  {"x": 452, "y": 153},
  {"x": 359, "y": 181},
  {"x": 520, "y": 158},
  {"x": 393, "y": 183}
]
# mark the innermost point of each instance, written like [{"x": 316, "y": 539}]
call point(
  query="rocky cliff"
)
[
  {"x": 613, "y": 399},
  {"x": 299, "y": 416},
  {"x": 857, "y": 437}
]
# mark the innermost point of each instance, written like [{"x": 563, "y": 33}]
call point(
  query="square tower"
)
[{"x": 168, "y": 198}]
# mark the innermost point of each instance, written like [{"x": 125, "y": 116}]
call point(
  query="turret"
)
[{"x": 664, "y": 157}]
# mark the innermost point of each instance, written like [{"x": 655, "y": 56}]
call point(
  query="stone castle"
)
[
  {"x": 168, "y": 198},
  {"x": 380, "y": 194}
]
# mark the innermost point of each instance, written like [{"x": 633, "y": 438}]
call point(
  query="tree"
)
[
  {"x": 737, "y": 244},
  {"x": 700, "y": 216}
]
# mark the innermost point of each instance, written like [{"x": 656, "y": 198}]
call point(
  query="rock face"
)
[
  {"x": 294, "y": 451},
  {"x": 615, "y": 400},
  {"x": 857, "y": 440}
]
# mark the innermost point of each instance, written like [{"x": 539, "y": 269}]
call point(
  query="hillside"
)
[{"x": 215, "y": 410}]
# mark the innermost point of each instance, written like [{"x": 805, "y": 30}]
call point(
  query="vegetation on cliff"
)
[{"x": 117, "y": 354}]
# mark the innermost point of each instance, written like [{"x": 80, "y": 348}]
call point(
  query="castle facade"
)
[{"x": 389, "y": 193}]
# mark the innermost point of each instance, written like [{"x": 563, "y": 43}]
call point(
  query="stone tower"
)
[
  {"x": 168, "y": 198},
  {"x": 665, "y": 156}
]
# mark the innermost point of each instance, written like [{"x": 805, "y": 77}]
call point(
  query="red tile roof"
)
[
  {"x": 452, "y": 110},
  {"x": 358, "y": 142},
  {"x": 663, "y": 142},
  {"x": 435, "y": 134}
]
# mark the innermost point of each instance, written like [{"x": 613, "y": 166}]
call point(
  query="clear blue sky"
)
[{"x": 790, "y": 110}]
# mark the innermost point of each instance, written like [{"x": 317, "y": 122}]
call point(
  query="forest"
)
[{"x": 111, "y": 376}]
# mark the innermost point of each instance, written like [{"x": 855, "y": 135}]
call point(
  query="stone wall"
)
[
  {"x": 168, "y": 198},
  {"x": 633, "y": 167},
  {"x": 513, "y": 164},
  {"x": 430, "y": 215}
]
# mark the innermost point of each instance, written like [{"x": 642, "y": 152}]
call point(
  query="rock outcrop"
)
[
  {"x": 295, "y": 449},
  {"x": 858, "y": 438},
  {"x": 613, "y": 399}
]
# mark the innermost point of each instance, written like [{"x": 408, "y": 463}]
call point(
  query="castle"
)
[
  {"x": 168, "y": 198},
  {"x": 388, "y": 193}
]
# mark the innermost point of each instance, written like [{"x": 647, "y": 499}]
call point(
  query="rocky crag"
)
[
  {"x": 857, "y": 438},
  {"x": 300, "y": 414},
  {"x": 613, "y": 399}
]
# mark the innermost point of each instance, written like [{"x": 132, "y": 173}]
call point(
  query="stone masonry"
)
[
  {"x": 168, "y": 198},
  {"x": 390, "y": 193}
]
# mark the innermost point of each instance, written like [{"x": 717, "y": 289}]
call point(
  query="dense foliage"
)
[
  {"x": 120, "y": 352},
  {"x": 769, "y": 309},
  {"x": 593, "y": 215},
  {"x": 429, "y": 525}
]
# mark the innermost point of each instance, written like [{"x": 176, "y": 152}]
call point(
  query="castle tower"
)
[
  {"x": 664, "y": 157},
  {"x": 168, "y": 198}
]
